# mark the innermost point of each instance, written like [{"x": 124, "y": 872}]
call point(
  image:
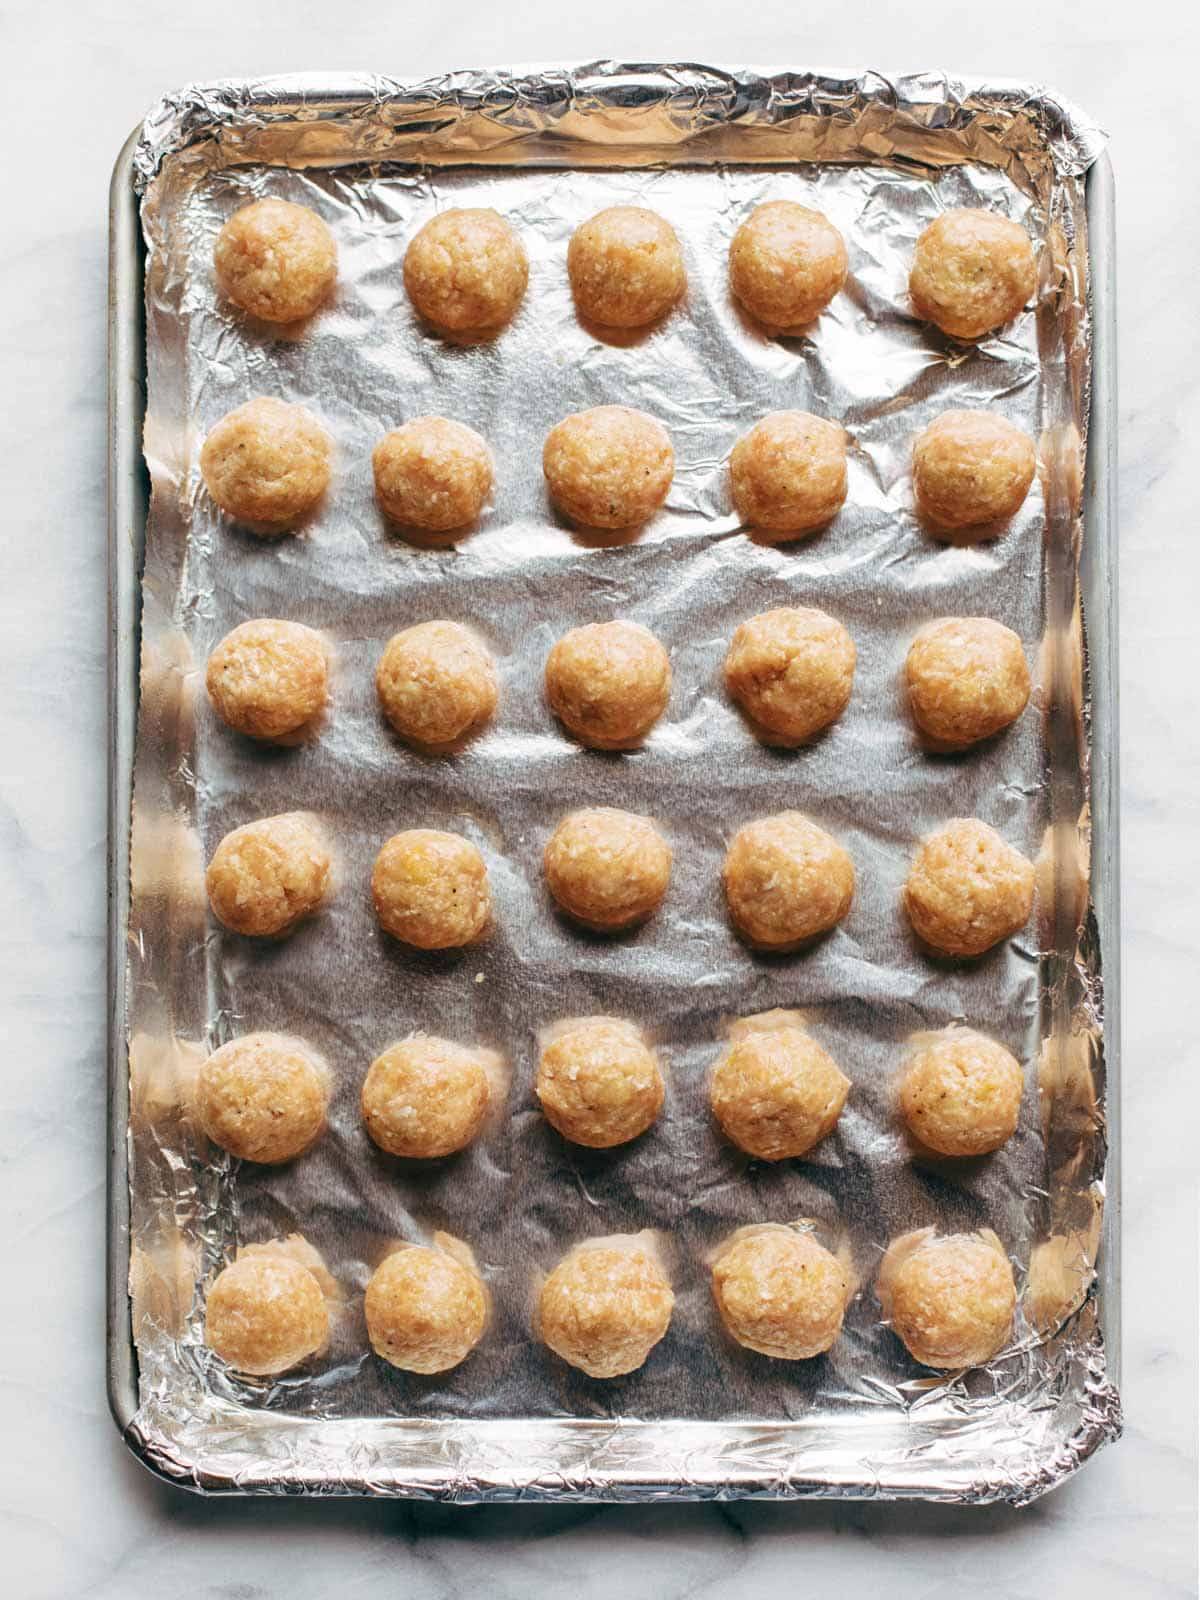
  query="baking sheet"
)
[{"x": 702, "y": 1417}]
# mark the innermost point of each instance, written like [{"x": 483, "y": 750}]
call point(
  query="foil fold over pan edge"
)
[{"x": 618, "y": 116}]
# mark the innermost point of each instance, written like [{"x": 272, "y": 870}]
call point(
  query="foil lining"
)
[{"x": 547, "y": 148}]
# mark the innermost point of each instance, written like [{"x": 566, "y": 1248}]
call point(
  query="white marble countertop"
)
[{"x": 78, "y": 1516}]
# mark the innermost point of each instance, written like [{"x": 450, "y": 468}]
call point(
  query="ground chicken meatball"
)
[
  {"x": 432, "y": 474},
  {"x": 431, "y": 889},
  {"x": 776, "y": 1093},
  {"x": 788, "y": 474},
  {"x": 267, "y": 679},
  {"x": 610, "y": 467},
  {"x": 605, "y": 1307},
  {"x": 608, "y": 683},
  {"x": 786, "y": 263},
  {"x": 267, "y": 464},
  {"x": 626, "y": 267},
  {"x": 967, "y": 889},
  {"x": 961, "y": 1093},
  {"x": 276, "y": 260},
  {"x": 598, "y": 1082},
  {"x": 264, "y": 877},
  {"x": 967, "y": 679},
  {"x": 425, "y": 1098},
  {"x": 791, "y": 671},
  {"x": 266, "y": 1313},
  {"x": 972, "y": 271},
  {"x": 950, "y": 1300},
  {"x": 426, "y": 1310},
  {"x": 786, "y": 881},
  {"x": 436, "y": 683},
  {"x": 971, "y": 469},
  {"x": 608, "y": 869},
  {"x": 466, "y": 272},
  {"x": 263, "y": 1097},
  {"x": 780, "y": 1292}
]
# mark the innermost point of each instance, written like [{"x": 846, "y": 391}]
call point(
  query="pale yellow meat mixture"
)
[
  {"x": 604, "y": 1308},
  {"x": 268, "y": 678},
  {"x": 791, "y": 671},
  {"x": 608, "y": 869},
  {"x": 786, "y": 881},
  {"x": 426, "y": 1311},
  {"x": 610, "y": 467},
  {"x": 267, "y": 464},
  {"x": 263, "y": 1097},
  {"x": 776, "y": 1093},
  {"x": 786, "y": 263},
  {"x": 608, "y": 683},
  {"x": 788, "y": 474},
  {"x": 598, "y": 1082},
  {"x": 967, "y": 888},
  {"x": 276, "y": 260},
  {"x": 424, "y": 1098},
  {"x": 430, "y": 889},
  {"x": 780, "y": 1292},
  {"x": 264, "y": 877}
]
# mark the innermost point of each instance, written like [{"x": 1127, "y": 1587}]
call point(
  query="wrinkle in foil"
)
[{"x": 549, "y": 148}]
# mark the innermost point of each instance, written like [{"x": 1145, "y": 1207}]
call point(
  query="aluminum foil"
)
[{"x": 548, "y": 148}]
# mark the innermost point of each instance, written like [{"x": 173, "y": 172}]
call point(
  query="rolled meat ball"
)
[
  {"x": 779, "y": 1292},
  {"x": 786, "y": 263},
  {"x": 430, "y": 889},
  {"x": 608, "y": 869},
  {"x": 972, "y": 272},
  {"x": 949, "y": 1299},
  {"x": 788, "y": 475},
  {"x": 598, "y": 1082},
  {"x": 786, "y": 881},
  {"x": 776, "y": 1093},
  {"x": 626, "y": 267},
  {"x": 971, "y": 470},
  {"x": 605, "y": 1307},
  {"x": 961, "y": 1093},
  {"x": 266, "y": 1313},
  {"x": 791, "y": 671},
  {"x": 609, "y": 468},
  {"x": 967, "y": 679},
  {"x": 608, "y": 683},
  {"x": 264, "y": 877},
  {"x": 968, "y": 889},
  {"x": 267, "y": 464},
  {"x": 436, "y": 683},
  {"x": 466, "y": 273},
  {"x": 432, "y": 474},
  {"x": 276, "y": 260},
  {"x": 267, "y": 678},
  {"x": 263, "y": 1097},
  {"x": 424, "y": 1098},
  {"x": 426, "y": 1310}
]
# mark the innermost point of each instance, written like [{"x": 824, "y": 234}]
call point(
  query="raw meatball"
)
[
  {"x": 961, "y": 1093},
  {"x": 608, "y": 683},
  {"x": 425, "y": 1098},
  {"x": 268, "y": 678},
  {"x": 776, "y": 1093},
  {"x": 967, "y": 889},
  {"x": 967, "y": 679},
  {"x": 267, "y": 464},
  {"x": 598, "y": 1082},
  {"x": 265, "y": 1314},
  {"x": 951, "y": 1300},
  {"x": 431, "y": 889},
  {"x": 610, "y": 467},
  {"x": 426, "y": 1311},
  {"x": 791, "y": 671},
  {"x": 267, "y": 875},
  {"x": 432, "y": 474},
  {"x": 604, "y": 1308},
  {"x": 262, "y": 1097},
  {"x": 276, "y": 260},
  {"x": 606, "y": 868},
  {"x": 466, "y": 273},
  {"x": 780, "y": 1292},
  {"x": 786, "y": 881},
  {"x": 971, "y": 469},
  {"x": 626, "y": 267},
  {"x": 786, "y": 263},
  {"x": 436, "y": 683},
  {"x": 972, "y": 271},
  {"x": 788, "y": 474}
]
